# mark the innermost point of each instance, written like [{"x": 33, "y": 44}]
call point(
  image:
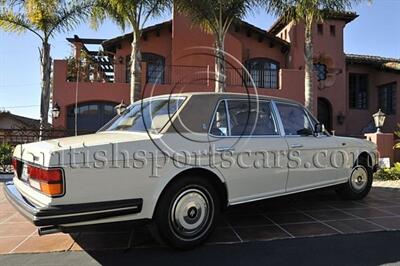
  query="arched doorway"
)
[
  {"x": 91, "y": 116},
  {"x": 325, "y": 113}
]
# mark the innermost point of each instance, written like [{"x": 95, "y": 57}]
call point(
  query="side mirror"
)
[{"x": 318, "y": 128}]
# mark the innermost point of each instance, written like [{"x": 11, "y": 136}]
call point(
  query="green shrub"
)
[
  {"x": 6, "y": 152},
  {"x": 397, "y": 133},
  {"x": 392, "y": 173}
]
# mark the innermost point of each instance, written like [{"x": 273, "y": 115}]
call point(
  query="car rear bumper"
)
[{"x": 72, "y": 213}]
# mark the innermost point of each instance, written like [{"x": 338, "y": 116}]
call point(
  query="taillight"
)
[
  {"x": 49, "y": 181},
  {"x": 14, "y": 163},
  {"x": 50, "y": 176}
]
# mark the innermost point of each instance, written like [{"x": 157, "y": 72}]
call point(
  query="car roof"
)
[{"x": 223, "y": 95}]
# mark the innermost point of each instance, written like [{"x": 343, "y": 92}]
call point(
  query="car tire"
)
[
  {"x": 359, "y": 183},
  {"x": 186, "y": 212}
]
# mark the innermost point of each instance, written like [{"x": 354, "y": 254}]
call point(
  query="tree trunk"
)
[
  {"x": 45, "y": 94},
  {"x": 136, "y": 69},
  {"x": 309, "y": 67},
  {"x": 220, "y": 78}
]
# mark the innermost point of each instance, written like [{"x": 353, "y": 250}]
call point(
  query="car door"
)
[
  {"x": 313, "y": 160},
  {"x": 248, "y": 149}
]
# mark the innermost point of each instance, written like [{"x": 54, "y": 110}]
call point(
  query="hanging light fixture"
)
[{"x": 55, "y": 112}]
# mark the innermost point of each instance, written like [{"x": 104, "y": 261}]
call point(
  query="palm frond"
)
[
  {"x": 154, "y": 8},
  {"x": 201, "y": 12},
  {"x": 134, "y": 13},
  {"x": 119, "y": 11},
  {"x": 299, "y": 10},
  {"x": 397, "y": 133},
  {"x": 18, "y": 23},
  {"x": 215, "y": 16},
  {"x": 67, "y": 17}
]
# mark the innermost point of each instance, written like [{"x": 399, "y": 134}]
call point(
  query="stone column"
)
[{"x": 385, "y": 143}]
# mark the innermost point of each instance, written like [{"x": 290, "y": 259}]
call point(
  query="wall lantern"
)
[
  {"x": 379, "y": 120},
  {"x": 340, "y": 118},
  {"x": 120, "y": 59},
  {"x": 55, "y": 112},
  {"x": 121, "y": 108}
]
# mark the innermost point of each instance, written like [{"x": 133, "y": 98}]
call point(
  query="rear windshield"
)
[{"x": 146, "y": 116}]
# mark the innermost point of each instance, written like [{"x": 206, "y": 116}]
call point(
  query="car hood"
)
[
  {"x": 363, "y": 144},
  {"x": 43, "y": 152}
]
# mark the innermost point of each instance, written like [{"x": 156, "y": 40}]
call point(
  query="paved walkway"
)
[
  {"x": 304, "y": 215},
  {"x": 379, "y": 248},
  {"x": 388, "y": 184}
]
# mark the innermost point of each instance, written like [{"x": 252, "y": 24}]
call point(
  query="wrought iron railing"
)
[
  {"x": 176, "y": 74},
  {"x": 197, "y": 75}
]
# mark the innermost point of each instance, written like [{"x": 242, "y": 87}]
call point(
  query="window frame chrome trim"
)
[
  {"x": 228, "y": 118},
  {"x": 279, "y": 118},
  {"x": 275, "y": 118},
  {"x": 297, "y": 105},
  {"x": 162, "y": 130}
]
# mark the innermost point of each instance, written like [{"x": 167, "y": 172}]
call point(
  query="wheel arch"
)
[
  {"x": 217, "y": 181},
  {"x": 364, "y": 157}
]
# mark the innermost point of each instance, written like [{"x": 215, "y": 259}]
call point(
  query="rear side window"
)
[
  {"x": 245, "y": 119},
  {"x": 149, "y": 115}
]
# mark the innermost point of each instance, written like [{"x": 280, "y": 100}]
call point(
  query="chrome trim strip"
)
[
  {"x": 297, "y": 105},
  {"x": 228, "y": 117},
  {"x": 279, "y": 118},
  {"x": 64, "y": 214},
  {"x": 213, "y": 118},
  {"x": 275, "y": 120}
]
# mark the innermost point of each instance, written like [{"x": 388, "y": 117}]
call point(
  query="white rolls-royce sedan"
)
[{"x": 178, "y": 160}]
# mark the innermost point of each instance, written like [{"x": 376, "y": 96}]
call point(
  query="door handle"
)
[
  {"x": 222, "y": 149},
  {"x": 296, "y": 146}
]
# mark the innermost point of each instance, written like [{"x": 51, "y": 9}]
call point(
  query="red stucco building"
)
[{"x": 176, "y": 57}]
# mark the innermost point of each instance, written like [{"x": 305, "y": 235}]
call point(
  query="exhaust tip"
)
[{"x": 48, "y": 230}]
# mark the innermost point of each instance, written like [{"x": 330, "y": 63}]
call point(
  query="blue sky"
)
[{"x": 376, "y": 32}]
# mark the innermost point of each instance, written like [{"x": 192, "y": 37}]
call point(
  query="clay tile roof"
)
[
  {"x": 384, "y": 63},
  {"x": 281, "y": 22},
  {"x": 110, "y": 43},
  {"x": 264, "y": 33},
  {"x": 28, "y": 122}
]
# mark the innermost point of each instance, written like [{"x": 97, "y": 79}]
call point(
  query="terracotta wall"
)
[
  {"x": 64, "y": 92},
  {"x": 359, "y": 119},
  {"x": 190, "y": 48},
  {"x": 328, "y": 50},
  {"x": 157, "y": 43}
]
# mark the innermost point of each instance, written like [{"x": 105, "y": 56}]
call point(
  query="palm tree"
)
[
  {"x": 44, "y": 19},
  {"x": 309, "y": 12},
  {"x": 216, "y": 17},
  {"x": 135, "y": 14}
]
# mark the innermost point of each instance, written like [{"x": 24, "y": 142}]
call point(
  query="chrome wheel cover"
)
[
  {"x": 191, "y": 212},
  {"x": 359, "y": 178}
]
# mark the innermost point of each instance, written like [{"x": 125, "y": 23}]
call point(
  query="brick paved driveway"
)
[{"x": 303, "y": 215}]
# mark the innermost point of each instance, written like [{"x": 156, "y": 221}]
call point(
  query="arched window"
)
[
  {"x": 264, "y": 72},
  {"x": 155, "y": 68},
  {"x": 91, "y": 116}
]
